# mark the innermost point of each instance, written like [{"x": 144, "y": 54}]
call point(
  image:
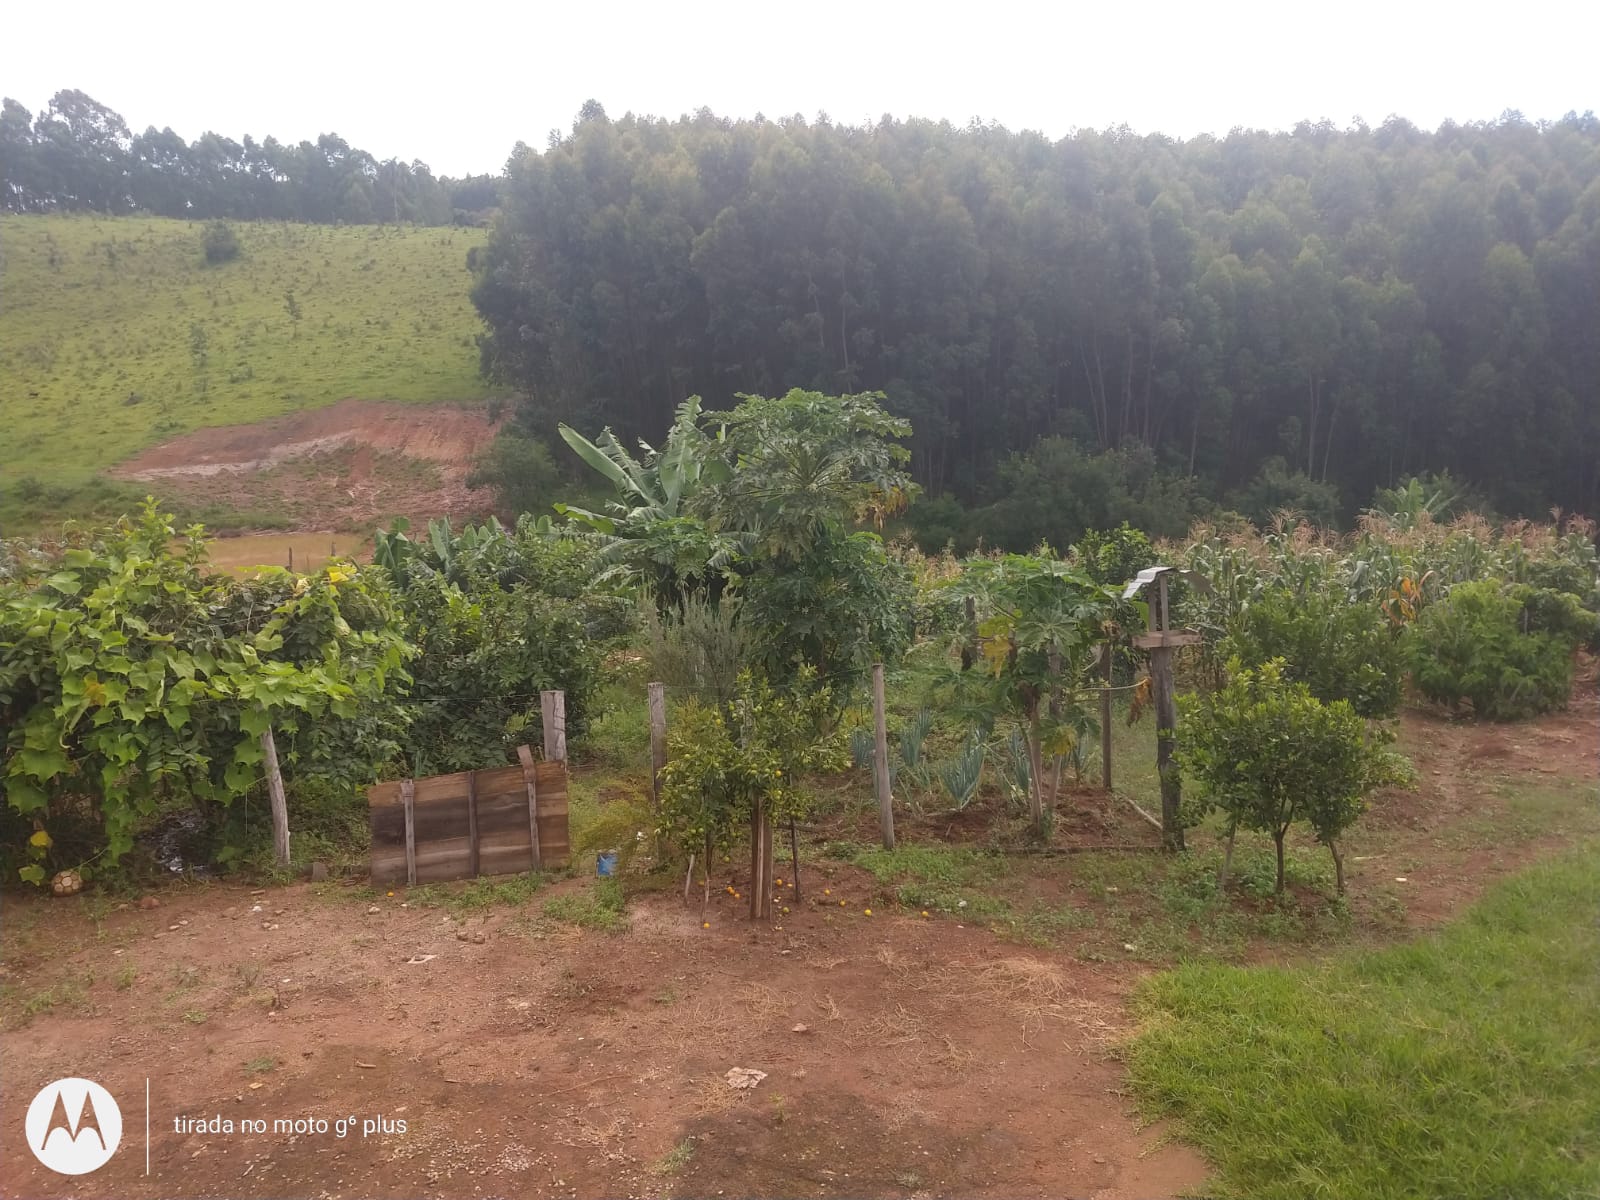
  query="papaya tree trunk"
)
[
  {"x": 1036, "y": 773},
  {"x": 1338, "y": 865},
  {"x": 1277, "y": 839}
]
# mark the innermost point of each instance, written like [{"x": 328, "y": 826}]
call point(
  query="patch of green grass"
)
[
  {"x": 602, "y": 907},
  {"x": 947, "y": 879},
  {"x": 196, "y": 1016},
  {"x": 1043, "y": 924},
  {"x": 41, "y": 1002},
  {"x": 676, "y": 1159},
  {"x": 260, "y": 1065},
  {"x": 71, "y": 994},
  {"x": 1465, "y": 1064},
  {"x": 98, "y": 331},
  {"x": 490, "y": 891},
  {"x": 126, "y": 976},
  {"x": 1529, "y": 809}
]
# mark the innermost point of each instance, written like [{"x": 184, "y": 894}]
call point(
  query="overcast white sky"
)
[{"x": 458, "y": 84}]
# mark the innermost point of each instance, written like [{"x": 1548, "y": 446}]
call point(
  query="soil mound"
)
[{"x": 347, "y": 465}]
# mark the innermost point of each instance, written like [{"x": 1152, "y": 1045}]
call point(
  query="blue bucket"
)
[{"x": 605, "y": 864}]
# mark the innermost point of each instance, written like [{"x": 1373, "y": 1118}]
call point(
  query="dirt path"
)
[{"x": 551, "y": 1062}]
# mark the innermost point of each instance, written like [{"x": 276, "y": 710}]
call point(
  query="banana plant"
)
[
  {"x": 651, "y": 489},
  {"x": 647, "y": 531}
]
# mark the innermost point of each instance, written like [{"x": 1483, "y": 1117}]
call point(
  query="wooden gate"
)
[{"x": 490, "y": 822}]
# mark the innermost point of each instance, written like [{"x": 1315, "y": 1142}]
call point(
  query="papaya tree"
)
[{"x": 1038, "y": 621}]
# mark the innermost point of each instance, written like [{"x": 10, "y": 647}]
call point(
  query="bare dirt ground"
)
[
  {"x": 905, "y": 1056},
  {"x": 329, "y": 468},
  {"x": 551, "y": 1062}
]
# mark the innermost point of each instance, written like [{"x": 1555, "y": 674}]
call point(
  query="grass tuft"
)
[{"x": 601, "y": 907}]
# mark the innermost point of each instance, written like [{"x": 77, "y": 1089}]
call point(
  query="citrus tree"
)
[
  {"x": 745, "y": 764},
  {"x": 1268, "y": 753}
]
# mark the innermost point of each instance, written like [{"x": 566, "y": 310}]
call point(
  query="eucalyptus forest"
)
[{"x": 1256, "y": 319}]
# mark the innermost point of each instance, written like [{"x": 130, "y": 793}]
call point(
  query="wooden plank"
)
[
  {"x": 472, "y": 824},
  {"x": 530, "y": 777},
  {"x": 495, "y": 821},
  {"x": 1105, "y": 721},
  {"x": 1166, "y": 639},
  {"x": 408, "y": 799},
  {"x": 499, "y": 781},
  {"x": 382, "y": 794},
  {"x": 280, "y": 806},
  {"x": 441, "y": 787},
  {"x": 1165, "y": 694}
]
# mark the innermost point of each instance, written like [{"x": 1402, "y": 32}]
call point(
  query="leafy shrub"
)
[
  {"x": 725, "y": 763},
  {"x": 1268, "y": 753},
  {"x": 484, "y": 655},
  {"x": 522, "y": 473},
  {"x": 697, "y": 645},
  {"x": 1055, "y": 492},
  {"x": 1341, "y": 651},
  {"x": 220, "y": 243},
  {"x": 1504, "y": 649},
  {"x": 1279, "y": 490},
  {"x": 133, "y": 679},
  {"x": 939, "y": 523},
  {"x": 1114, "y": 556},
  {"x": 497, "y": 616}
]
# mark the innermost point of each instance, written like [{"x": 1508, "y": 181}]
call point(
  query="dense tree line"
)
[
  {"x": 79, "y": 156},
  {"x": 1320, "y": 311}
]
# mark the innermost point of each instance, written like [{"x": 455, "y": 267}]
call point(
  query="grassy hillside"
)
[{"x": 116, "y": 334}]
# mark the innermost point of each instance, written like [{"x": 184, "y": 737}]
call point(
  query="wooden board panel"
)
[{"x": 443, "y": 824}]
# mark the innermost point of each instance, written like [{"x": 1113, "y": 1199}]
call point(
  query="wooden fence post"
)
[
  {"x": 658, "y": 738},
  {"x": 553, "y": 707},
  {"x": 880, "y": 758},
  {"x": 1166, "y": 702},
  {"x": 472, "y": 824},
  {"x": 280, "y": 807},
  {"x": 408, "y": 798},
  {"x": 1161, "y": 641},
  {"x": 1105, "y": 723}
]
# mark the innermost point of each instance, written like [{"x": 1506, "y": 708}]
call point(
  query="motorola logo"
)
[{"x": 73, "y": 1126}]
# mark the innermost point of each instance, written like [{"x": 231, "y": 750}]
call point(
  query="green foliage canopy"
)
[
  {"x": 130, "y": 675},
  {"x": 1268, "y": 753}
]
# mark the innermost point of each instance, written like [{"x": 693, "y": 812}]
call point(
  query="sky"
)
[{"x": 458, "y": 85}]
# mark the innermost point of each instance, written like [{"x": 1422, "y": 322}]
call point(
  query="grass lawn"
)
[
  {"x": 116, "y": 334},
  {"x": 1466, "y": 1064}
]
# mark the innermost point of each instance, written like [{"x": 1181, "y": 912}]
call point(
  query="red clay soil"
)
[
  {"x": 904, "y": 1057},
  {"x": 324, "y": 468}
]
